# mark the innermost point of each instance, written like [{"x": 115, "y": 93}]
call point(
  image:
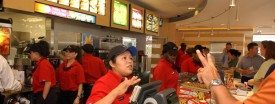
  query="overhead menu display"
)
[
  {"x": 94, "y": 6},
  {"x": 152, "y": 23},
  {"x": 120, "y": 13},
  {"x": 136, "y": 18},
  {"x": 55, "y": 1},
  {"x": 101, "y": 7},
  {"x": 46, "y": 9},
  {"x": 84, "y": 5},
  {"x": 64, "y": 2},
  {"x": 74, "y": 3}
]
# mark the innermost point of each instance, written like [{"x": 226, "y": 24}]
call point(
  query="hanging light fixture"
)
[
  {"x": 212, "y": 28},
  {"x": 237, "y": 11},
  {"x": 232, "y": 3}
]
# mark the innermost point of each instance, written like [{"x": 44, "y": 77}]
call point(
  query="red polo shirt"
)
[
  {"x": 93, "y": 67},
  {"x": 104, "y": 86},
  {"x": 44, "y": 72},
  {"x": 164, "y": 72},
  {"x": 71, "y": 78},
  {"x": 178, "y": 58},
  {"x": 189, "y": 66},
  {"x": 183, "y": 58}
]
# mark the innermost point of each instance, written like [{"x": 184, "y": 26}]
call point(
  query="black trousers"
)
[
  {"x": 67, "y": 97},
  {"x": 51, "y": 97},
  {"x": 245, "y": 79},
  {"x": 87, "y": 88}
]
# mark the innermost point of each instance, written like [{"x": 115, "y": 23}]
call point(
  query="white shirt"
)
[{"x": 7, "y": 80}]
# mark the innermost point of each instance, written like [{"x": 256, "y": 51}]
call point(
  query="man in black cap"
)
[
  {"x": 93, "y": 67},
  {"x": 166, "y": 70}
]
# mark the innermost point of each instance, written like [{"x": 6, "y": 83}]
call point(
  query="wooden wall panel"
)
[{"x": 23, "y": 5}]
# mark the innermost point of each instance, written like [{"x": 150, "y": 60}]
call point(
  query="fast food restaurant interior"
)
[{"x": 157, "y": 38}]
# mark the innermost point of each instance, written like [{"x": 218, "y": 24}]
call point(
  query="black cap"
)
[
  {"x": 88, "y": 48},
  {"x": 117, "y": 50},
  {"x": 72, "y": 48},
  {"x": 170, "y": 47}
]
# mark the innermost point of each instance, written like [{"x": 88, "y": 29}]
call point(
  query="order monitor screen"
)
[{"x": 148, "y": 90}]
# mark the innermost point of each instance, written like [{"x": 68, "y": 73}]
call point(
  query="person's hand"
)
[
  {"x": 76, "y": 100},
  {"x": 122, "y": 87},
  {"x": 250, "y": 82},
  {"x": 209, "y": 71}
]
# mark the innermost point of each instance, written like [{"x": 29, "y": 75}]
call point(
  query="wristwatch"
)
[{"x": 215, "y": 82}]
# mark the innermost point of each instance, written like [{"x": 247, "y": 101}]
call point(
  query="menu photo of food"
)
[
  {"x": 101, "y": 7},
  {"x": 64, "y": 2},
  {"x": 155, "y": 24},
  {"x": 55, "y": 1},
  {"x": 5, "y": 41},
  {"x": 93, "y": 6},
  {"x": 84, "y": 5},
  {"x": 120, "y": 13},
  {"x": 149, "y": 19},
  {"x": 136, "y": 18},
  {"x": 75, "y": 3}
]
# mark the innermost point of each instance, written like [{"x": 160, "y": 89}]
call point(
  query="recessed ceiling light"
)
[
  {"x": 191, "y": 8},
  {"x": 222, "y": 24}
]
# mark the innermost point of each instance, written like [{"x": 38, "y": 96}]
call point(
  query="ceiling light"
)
[
  {"x": 222, "y": 24},
  {"x": 232, "y": 3},
  {"x": 191, "y": 8}
]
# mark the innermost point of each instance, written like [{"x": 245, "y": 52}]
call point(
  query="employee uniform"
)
[
  {"x": 165, "y": 72},
  {"x": 189, "y": 66},
  {"x": 44, "y": 72},
  {"x": 178, "y": 58},
  {"x": 105, "y": 85},
  {"x": 69, "y": 78},
  {"x": 250, "y": 61},
  {"x": 94, "y": 68}
]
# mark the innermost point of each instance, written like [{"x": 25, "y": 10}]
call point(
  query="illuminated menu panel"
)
[
  {"x": 120, "y": 13},
  {"x": 46, "y": 9},
  {"x": 75, "y": 3},
  {"x": 64, "y": 2},
  {"x": 101, "y": 7},
  {"x": 5, "y": 40},
  {"x": 55, "y": 1},
  {"x": 152, "y": 23},
  {"x": 84, "y": 5},
  {"x": 136, "y": 18},
  {"x": 93, "y": 6}
]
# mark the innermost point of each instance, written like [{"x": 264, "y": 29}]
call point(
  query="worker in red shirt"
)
[
  {"x": 44, "y": 80},
  {"x": 70, "y": 76},
  {"x": 166, "y": 69},
  {"x": 180, "y": 53},
  {"x": 191, "y": 65},
  {"x": 93, "y": 67},
  {"x": 112, "y": 88}
]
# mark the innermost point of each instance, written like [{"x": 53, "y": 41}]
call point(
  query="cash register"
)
[{"x": 148, "y": 94}]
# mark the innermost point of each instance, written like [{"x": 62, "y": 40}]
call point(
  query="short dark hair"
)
[
  {"x": 183, "y": 46},
  {"x": 251, "y": 45},
  {"x": 269, "y": 49},
  {"x": 228, "y": 43},
  {"x": 42, "y": 47},
  {"x": 234, "y": 52}
]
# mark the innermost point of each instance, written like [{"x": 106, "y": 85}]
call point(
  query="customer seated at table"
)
[
  {"x": 192, "y": 64},
  {"x": 267, "y": 51}
]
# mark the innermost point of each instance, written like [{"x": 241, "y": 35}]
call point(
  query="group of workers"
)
[{"x": 101, "y": 86}]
